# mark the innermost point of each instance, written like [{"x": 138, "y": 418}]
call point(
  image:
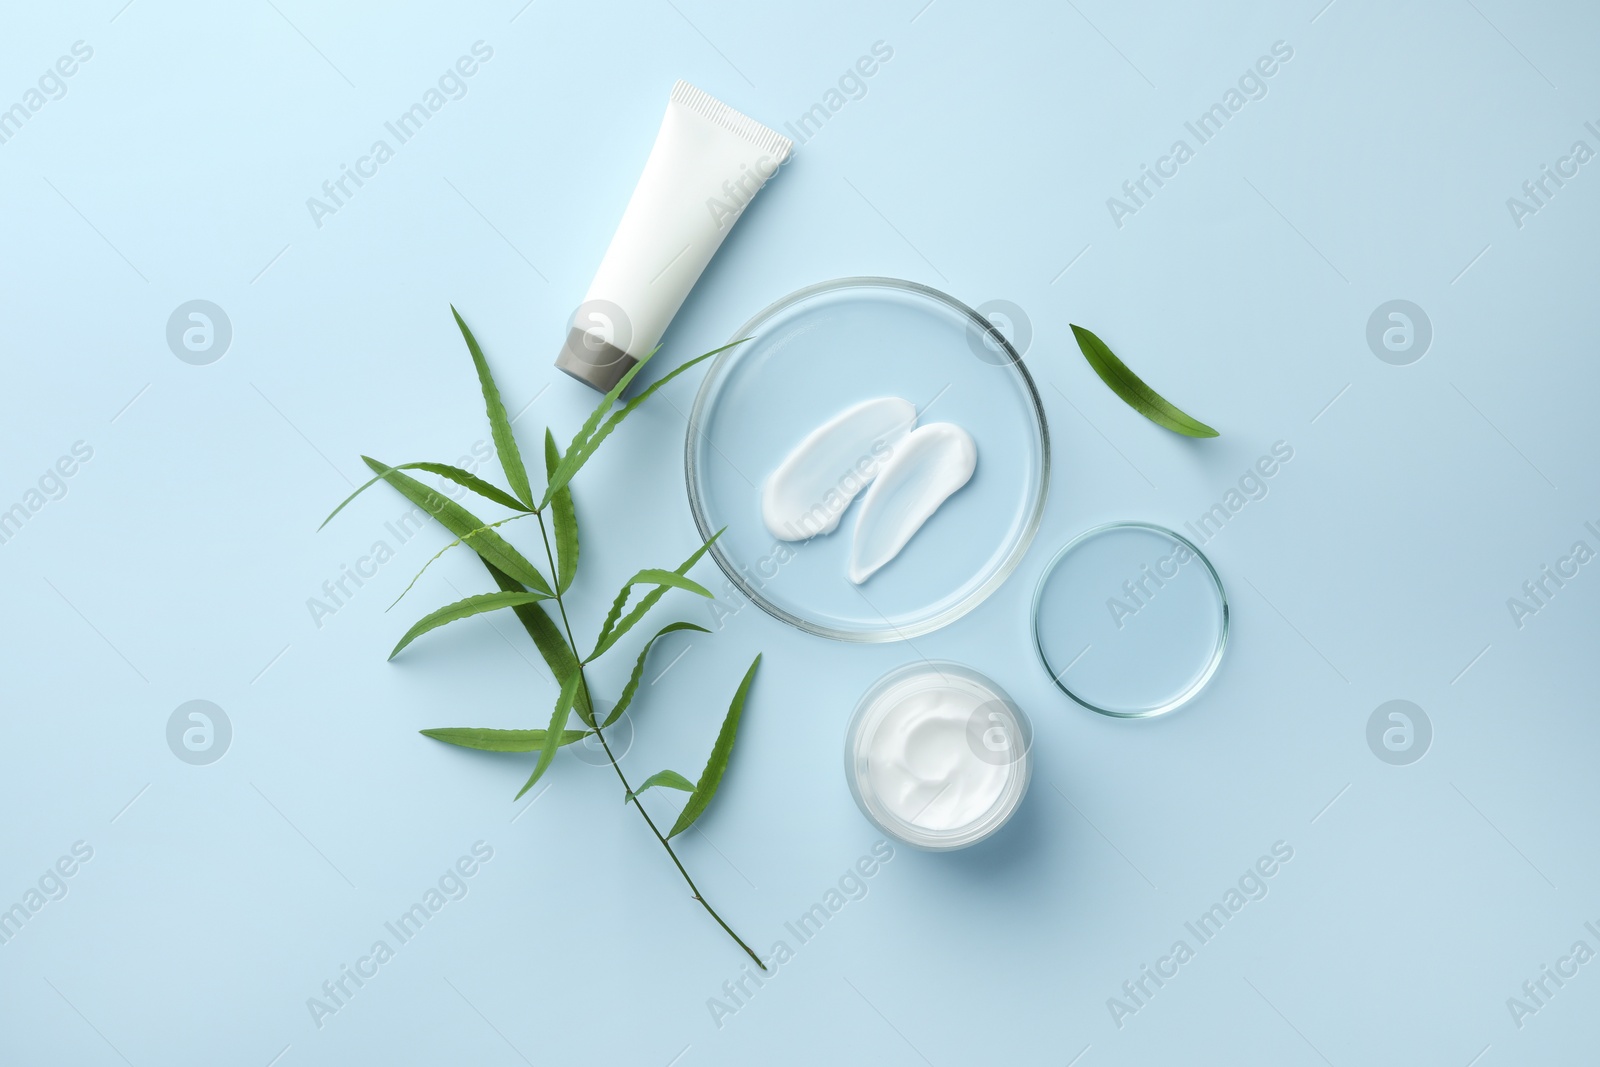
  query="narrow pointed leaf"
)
[
  {"x": 711, "y": 777},
  {"x": 487, "y": 490},
  {"x": 345, "y": 502},
  {"x": 489, "y": 545},
  {"x": 670, "y": 779},
  {"x": 566, "y": 519},
  {"x": 444, "y": 470},
  {"x": 585, "y": 443},
  {"x": 612, "y": 629},
  {"x": 434, "y": 558},
  {"x": 547, "y": 638},
  {"x": 1137, "y": 395},
  {"x": 638, "y": 668},
  {"x": 505, "y": 444},
  {"x": 657, "y": 576},
  {"x": 554, "y": 732},
  {"x": 592, "y": 423},
  {"x": 463, "y": 609},
  {"x": 486, "y": 740}
]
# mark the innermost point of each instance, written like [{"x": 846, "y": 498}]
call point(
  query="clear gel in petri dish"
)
[{"x": 1130, "y": 620}]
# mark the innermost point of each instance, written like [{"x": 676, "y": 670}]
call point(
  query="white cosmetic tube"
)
[{"x": 708, "y": 163}]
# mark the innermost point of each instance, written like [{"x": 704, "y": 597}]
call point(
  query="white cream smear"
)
[
  {"x": 930, "y": 464},
  {"x": 816, "y": 482},
  {"x": 922, "y": 765}
]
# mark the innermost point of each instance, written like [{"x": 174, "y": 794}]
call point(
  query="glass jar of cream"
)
[{"x": 937, "y": 755}]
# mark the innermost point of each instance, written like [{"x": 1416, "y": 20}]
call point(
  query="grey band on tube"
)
[{"x": 593, "y": 361}]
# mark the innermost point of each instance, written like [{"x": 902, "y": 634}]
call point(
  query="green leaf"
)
[
  {"x": 463, "y": 609},
  {"x": 434, "y": 558},
  {"x": 1137, "y": 395},
  {"x": 471, "y": 481},
  {"x": 566, "y": 519},
  {"x": 612, "y": 630},
  {"x": 547, "y": 638},
  {"x": 589, "y": 437},
  {"x": 486, "y": 740},
  {"x": 444, "y": 470},
  {"x": 592, "y": 423},
  {"x": 638, "y": 668},
  {"x": 711, "y": 777},
  {"x": 555, "y": 731},
  {"x": 670, "y": 779},
  {"x": 490, "y": 546},
  {"x": 505, "y": 444},
  {"x": 657, "y": 576}
]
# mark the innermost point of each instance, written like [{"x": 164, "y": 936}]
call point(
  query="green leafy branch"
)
[{"x": 527, "y": 592}]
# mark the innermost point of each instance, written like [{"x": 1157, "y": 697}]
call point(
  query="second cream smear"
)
[{"x": 930, "y": 464}]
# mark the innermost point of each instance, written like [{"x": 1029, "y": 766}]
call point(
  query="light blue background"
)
[{"x": 179, "y": 563}]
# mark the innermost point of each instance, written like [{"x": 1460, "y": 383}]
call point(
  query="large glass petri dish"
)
[
  {"x": 1130, "y": 620},
  {"x": 810, "y": 356}
]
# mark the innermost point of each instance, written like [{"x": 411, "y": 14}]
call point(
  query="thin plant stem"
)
[{"x": 588, "y": 697}]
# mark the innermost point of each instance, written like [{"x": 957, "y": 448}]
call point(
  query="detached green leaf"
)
[
  {"x": 670, "y": 779},
  {"x": 444, "y": 470},
  {"x": 463, "y": 609},
  {"x": 611, "y": 630},
  {"x": 486, "y": 740},
  {"x": 711, "y": 777},
  {"x": 566, "y": 518},
  {"x": 638, "y": 668},
  {"x": 489, "y": 545},
  {"x": 505, "y": 444},
  {"x": 553, "y": 735},
  {"x": 589, "y": 437},
  {"x": 1137, "y": 395},
  {"x": 547, "y": 638}
]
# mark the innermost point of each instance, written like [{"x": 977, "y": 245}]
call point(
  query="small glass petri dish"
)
[
  {"x": 1130, "y": 619},
  {"x": 807, "y": 358},
  {"x": 938, "y": 756}
]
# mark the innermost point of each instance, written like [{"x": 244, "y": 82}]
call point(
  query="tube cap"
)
[{"x": 593, "y": 361}]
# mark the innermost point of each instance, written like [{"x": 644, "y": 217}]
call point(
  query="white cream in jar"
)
[{"x": 937, "y": 755}]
